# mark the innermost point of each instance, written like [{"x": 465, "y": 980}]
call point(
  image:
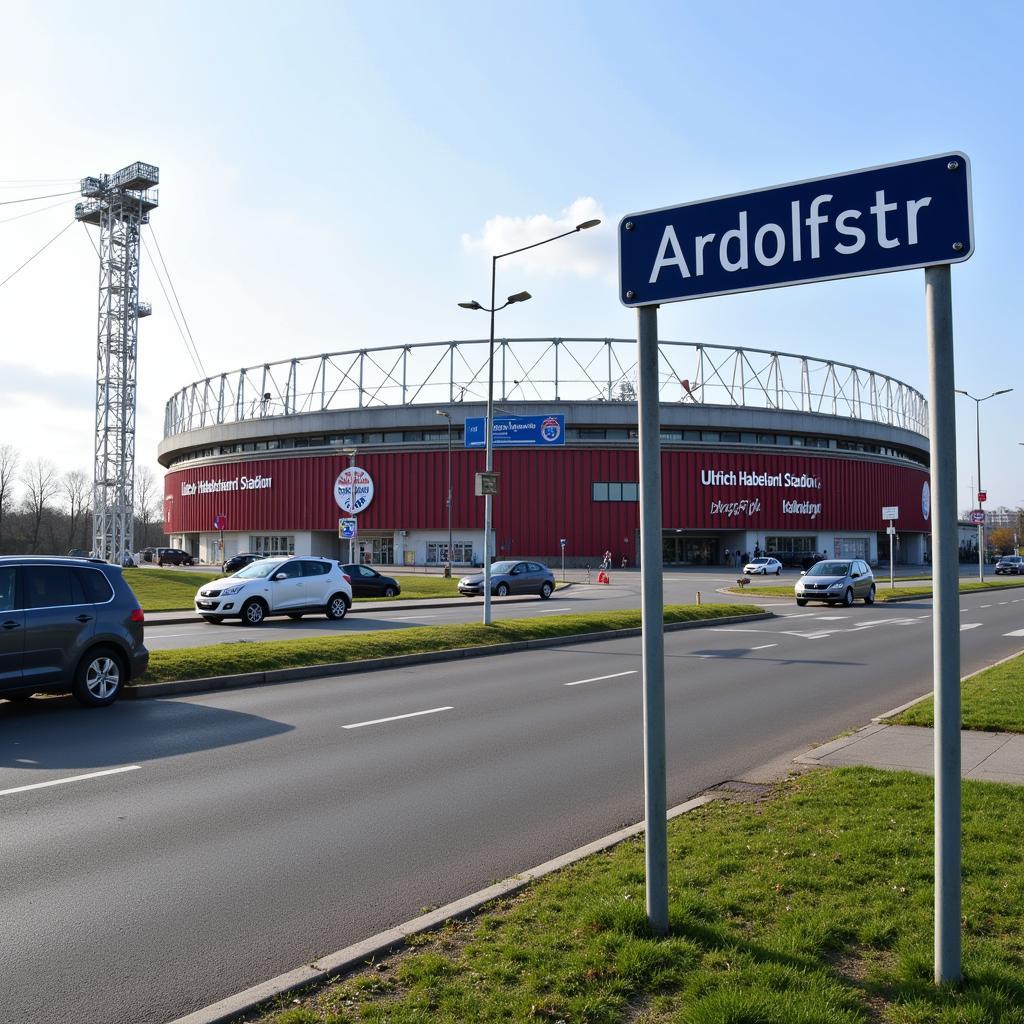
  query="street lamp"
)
[
  {"x": 448, "y": 559},
  {"x": 977, "y": 427},
  {"x": 488, "y": 423}
]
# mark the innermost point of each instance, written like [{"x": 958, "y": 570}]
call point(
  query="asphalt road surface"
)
[{"x": 162, "y": 854}]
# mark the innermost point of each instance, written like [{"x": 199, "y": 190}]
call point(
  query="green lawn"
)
[
  {"x": 423, "y": 586},
  {"x": 813, "y": 906},
  {"x": 992, "y": 700},
  {"x": 882, "y": 590},
  {"x": 230, "y": 658},
  {"x": 165, "y": 590}
]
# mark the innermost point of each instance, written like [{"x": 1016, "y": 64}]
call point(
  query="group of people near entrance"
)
[{"x": 739, "y": 558}]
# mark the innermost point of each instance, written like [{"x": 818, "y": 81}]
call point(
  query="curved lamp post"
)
[
  {"x": 489, "y": 462},
  {"x": 977, "y": 427}
]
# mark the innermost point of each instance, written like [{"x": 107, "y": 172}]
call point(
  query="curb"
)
[
  {"x": 409, "y": 604},
  {"x": 324, "y": 968},
  {"x": 287, "y": 675},
  {"x": 893, "y": 712}
]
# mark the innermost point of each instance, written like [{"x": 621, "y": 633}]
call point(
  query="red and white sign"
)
[
  {"x": 982, "y": 495},
  {"x": 978, "y": 517},
  {"x": 353, "y": 490},
  {"x": 220, "y": 522}
]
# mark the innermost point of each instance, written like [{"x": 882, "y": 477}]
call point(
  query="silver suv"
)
[
  {"x": 278, "y": 586},
  {"x": 836, "y": 581}
]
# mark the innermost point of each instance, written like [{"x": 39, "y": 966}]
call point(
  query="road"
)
[{"x": 243, "y": 833}]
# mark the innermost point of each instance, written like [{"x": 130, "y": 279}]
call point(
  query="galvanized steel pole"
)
[
  {"x": 652, "y": 622},
  {"x": 945, "y": 621},
  {"x": 489, "y": 461}
]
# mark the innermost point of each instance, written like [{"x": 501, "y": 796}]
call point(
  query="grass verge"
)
[
  {"x": 814, "y": 905},
  {"x": 417, "y": 587},
  {"x": 166, "y": 590},
  {"x": 992, "y": 700},
  {"x": 230, "y": 658},
  {"x": 882, "y": 590}
]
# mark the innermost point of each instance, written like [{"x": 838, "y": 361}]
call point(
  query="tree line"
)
[{"x": 44, "y": 511}]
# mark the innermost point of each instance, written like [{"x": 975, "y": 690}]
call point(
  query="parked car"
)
[
  {"x": 512, "y": 578},
  {"x": 836, "y": 581},
  {"x": 763, "y": 566},
  {"x": 68, "y": 623},
  {"x": 236, "y": 562},
  {"x": 1011, "y": 565},
  {"x": 367, "y": 582},
  {"x": 278, "y": 586},
  {"x": 173, "y": 556}
]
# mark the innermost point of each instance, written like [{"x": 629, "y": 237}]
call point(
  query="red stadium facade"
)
[{"x": 735, "y": 478}]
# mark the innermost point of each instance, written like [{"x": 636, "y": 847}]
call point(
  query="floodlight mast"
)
[{"x": 119, "y": 204}]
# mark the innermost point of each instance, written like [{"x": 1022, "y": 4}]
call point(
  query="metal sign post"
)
[
  {"x": 652, "y": 623},
  {"x": 891, "y": 513},
  {"x": 562, "y": 542},
  {"x": 945, "y": 621}
]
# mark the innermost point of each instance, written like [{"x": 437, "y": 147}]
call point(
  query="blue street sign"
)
[
  {"x": 896, "y": 217},
  {"x": 517, "y": 431},
  {"x": 347, "y": 528}
]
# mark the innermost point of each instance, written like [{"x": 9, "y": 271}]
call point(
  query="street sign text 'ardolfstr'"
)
[{"x": 896, "y": 217}]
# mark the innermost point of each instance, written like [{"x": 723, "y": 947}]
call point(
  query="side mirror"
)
[
  {"x": 854, "y": 575},
  {"x": 803, "y": 572},
  {"x": 281, "y": 576}
]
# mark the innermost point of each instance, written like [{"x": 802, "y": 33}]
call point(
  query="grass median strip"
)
[
  {"x": 812, "y": 903},
  {"x": 166, "y": 590},
  {"x": 264, "y": 656},
  {"x": 882, "y": 590},
  {"x": 992, "y": 700}
]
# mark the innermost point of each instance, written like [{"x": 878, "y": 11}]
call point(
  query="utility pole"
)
[{"x": 119, "y": 204}]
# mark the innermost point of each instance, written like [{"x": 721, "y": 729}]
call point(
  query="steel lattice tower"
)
[{"x": 119, "y": 204}]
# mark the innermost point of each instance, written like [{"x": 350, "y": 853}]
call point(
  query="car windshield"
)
[
  {"x": 503, "y": 566},
  {"x": 260, "y": 570},
  {"x": 758, "y": 561},
  {"x": 829, "y": 569}
]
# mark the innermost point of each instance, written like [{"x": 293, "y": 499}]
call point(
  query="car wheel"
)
[
  {"x": 778, "y": 572},
  {"x": 295, "y": 615},
  {"x": 98, "y": 678},
  {"x": 802, "y": 601},
  {"x": 337, "y": 607},
  {"x": 501, "y": 590},
  {"x": 254, "y": 611},
  {"x": 160, "y": 562},
  {"x": 870, "y": 597},
  {"x": 545, "y": 590},
  {"x": 848, "y": 597},
  {"x": 389, "y": 591},
  {"x": 215, "y": 620}
]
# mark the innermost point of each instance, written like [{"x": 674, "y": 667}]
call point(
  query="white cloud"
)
[{"x": 589, "y": 255}]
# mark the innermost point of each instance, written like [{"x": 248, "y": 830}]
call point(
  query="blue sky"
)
[{"x": 332, "y": 175}]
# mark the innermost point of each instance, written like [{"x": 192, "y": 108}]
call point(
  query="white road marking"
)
[
  {"x": 395, "y": 718},
  {"x": 403, "y": 618},
  {"x": 797, "y": 615},
  {"x": 968, "y": 625},
  {"x": 549, "y": 611},
  {"x": 830, "y": 618},
  {"x": 597, "y": 679},
  {"x": 1016, "y": 632},
  {"x": 72, "y": 778},
  {"x": 763, "y": 647},
  {"x": 1001, "y": 603}
]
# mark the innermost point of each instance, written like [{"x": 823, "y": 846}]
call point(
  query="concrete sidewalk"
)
[{"x": 991, "y": 756}]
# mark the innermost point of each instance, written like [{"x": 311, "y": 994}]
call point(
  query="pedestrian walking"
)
[{"x": 728, "y": 558}]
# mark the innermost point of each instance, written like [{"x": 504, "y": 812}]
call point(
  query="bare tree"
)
[
  {"x": 41, "y": 485},
  {"x": 8, "y": 475},
  {"x": 74, "y": 488},
  {"x": 149, "y": 499}
]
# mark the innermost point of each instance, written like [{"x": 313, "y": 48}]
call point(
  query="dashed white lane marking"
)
[
  {"x": 72, "y": 778},
  {"x": 797, "y": 615},
  {"x": 395, "y": 718},
  {"x": 763, "y": 647},
  {"x": 404, "y": 618},
  {"x": 597, "y": 679},
  {"x": 830, "y": 618},
  {"x": 1016, "y": 632},
  {"x": 968, "y": 625},
  {"x": 1001, "y": 603},
  {"x": 984, "y": 606},
  {"x": 549, "y": 611}
]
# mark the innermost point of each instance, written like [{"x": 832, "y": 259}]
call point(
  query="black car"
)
[
  {"x": 173, "y": 556},
  {"x": 367, "y": 582},
  {"x": 237, "y": 562},
  {"x": 68, "y": 623}
]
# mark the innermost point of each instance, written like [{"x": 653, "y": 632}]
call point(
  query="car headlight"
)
[
  {"x": 836, "y": 586},
  {"x": 231, "y": 590}
]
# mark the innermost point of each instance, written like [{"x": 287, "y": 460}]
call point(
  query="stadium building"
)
[{"x": 786, "y": 454}]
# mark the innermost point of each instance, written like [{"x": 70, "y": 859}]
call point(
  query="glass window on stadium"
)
[
  {"x": 462, "y": 553},
  {"x": 271, "y": 545},
  {"x": 851, "y": 547},
  {"x": 794, "y": 551}
]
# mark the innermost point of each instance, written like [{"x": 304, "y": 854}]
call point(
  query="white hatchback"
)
[
  {"x": 278, "y": 586},
  {"x": 763, "y": 566}
]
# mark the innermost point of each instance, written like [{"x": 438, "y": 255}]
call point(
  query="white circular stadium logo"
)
[
  {"x": 353, "y": 490},
  {"x": 926, "y": 500}
]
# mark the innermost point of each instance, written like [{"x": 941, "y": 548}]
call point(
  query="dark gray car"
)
[
  {"x": 512, "y": 578},
  {"x": 836, "y": 581},
  {"x": 68, "y": 624}
]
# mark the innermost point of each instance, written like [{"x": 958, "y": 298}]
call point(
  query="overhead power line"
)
[
  {"x": 195, "y": 347},
  {"x": 35, "y": 254},
  {"x": 32, "y": 213},
  {"x": 36, "y": 199}
]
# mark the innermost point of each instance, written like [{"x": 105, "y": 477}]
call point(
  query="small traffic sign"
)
[
  {"x": 220, "y": 522},
  {"x": 890, "y": 530},
  {"x": 890, "y": 512},
  {"x": 486, "y": 483},
  {"x": 978, "y": 516},
  {"x": 347, "y": 528},
  {"x": 562, "y": 542},
  {"x": 982, "y": 495}
]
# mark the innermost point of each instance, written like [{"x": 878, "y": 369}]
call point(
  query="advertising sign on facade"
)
[
  {"x": 353, "y": 490},
  {"x": 517, "y": 431},
  {"x": 978, "y": 516},
  {"x": 890, "y": 511}
]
